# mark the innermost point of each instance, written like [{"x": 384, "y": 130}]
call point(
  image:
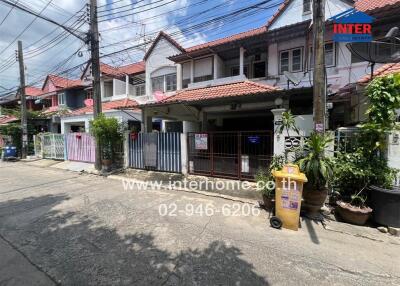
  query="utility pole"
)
[
  {"x": 95, "y": 63},
  {"x": 24, "y": 123},
  {"x": 319, "y": 74}
]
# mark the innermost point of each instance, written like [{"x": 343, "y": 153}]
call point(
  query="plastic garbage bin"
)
[
  {"x": 288, "y": 192},
  {"x": 10, "y": 152}
]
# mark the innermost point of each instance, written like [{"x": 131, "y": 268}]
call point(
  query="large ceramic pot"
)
[
  {"x": 352, "y": 214},
  {"x": 313, "y": 199},
  {"x": 386, "y": 205}
]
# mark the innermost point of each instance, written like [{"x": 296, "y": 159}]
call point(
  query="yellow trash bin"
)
[{"x": 288, "y": 192}]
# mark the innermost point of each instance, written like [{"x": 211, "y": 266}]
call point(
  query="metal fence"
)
[
  {"x": 237, "y": 155},
  {"x": 155, "y": 151},
  {"x": 80, "y": 147},
  {"x": 49, "y": 146}
]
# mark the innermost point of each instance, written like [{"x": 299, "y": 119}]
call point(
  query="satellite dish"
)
[
  {"x": 292, "y": 78},
  {"x": 386, "y": 50}
]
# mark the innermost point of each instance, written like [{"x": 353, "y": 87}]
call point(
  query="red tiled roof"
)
[
  {"x": 7, "y": 119},
  {"x": 382, "y": 71},
  {"x": 110, "y": 105},
  {"x": 134, "y": 68},
  {"x": 220, "y": 91},
  {"x": 370, "y": 5},
  {"x": 109, "y": 70},
  {"x": 33, "y": 91},
  {"x": 235, "y": 37},
  {"x": 53, "y": 109},
  {"x": 62, "y": 82}
]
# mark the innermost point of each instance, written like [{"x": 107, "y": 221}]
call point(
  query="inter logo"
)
[{"x": 352, "y": 26}]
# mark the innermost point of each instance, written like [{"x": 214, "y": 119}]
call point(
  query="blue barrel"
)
[{"x": 10, "y": 152}]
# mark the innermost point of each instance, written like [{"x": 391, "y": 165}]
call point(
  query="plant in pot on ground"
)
[
  {"x": 264, "y": 178},
  {"x": 384, "y": 102},
  {"x": 318, "y": 169},
  {"x": 109, "y": 133},
  {"x": 352, "y": 175}
]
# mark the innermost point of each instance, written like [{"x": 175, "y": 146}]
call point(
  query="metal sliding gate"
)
[
  {"x": 155, "y": 151},
  {"x": 80, "y": 147},
  {"x": 237, "y": 155}
]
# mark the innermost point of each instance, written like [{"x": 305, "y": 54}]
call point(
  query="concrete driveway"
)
[{"x": 59, "y": 227}]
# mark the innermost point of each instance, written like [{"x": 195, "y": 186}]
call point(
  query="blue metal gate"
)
[{"x": 167, "y": 151}]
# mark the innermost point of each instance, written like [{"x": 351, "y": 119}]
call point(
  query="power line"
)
[
  {"x": 12, "y": 8},
  {"x": 137, "y": 12},
  {"x": 27, "y": 27}
]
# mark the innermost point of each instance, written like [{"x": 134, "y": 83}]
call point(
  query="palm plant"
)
[
  {"x": 317, "y": 167},
  {"x": 288, "y": 123}
]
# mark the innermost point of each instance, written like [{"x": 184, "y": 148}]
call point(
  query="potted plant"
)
[
  {"x": 288, "y": 123},
  {"x": 264, "y": 178},
  {"x": 109, "y": 133},
  {"x": 318, "y": 169},
  {"x": 352, "y": 174},
  {"x": 384, "y": 100}
]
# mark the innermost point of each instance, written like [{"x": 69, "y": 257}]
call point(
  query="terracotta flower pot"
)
[
  {"x": 269, "y": 202},
  {"x": 353, "y": 214},
  {"x": 314, "y": 199},
  {"x": 106, "y": 164}
]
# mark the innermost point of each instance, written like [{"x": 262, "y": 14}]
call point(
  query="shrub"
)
[{"x": 109, "y": 133}]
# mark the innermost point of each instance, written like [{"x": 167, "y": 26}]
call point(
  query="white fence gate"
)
[{"x": 49, "y": 146}]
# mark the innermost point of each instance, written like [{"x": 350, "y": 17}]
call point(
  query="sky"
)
[{"x": 122, "y": 24}]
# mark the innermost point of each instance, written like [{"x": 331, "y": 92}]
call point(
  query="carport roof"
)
[{"x": 229, "y": 90}]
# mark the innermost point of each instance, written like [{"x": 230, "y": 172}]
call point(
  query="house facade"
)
[{"x": 121, "y": 88}]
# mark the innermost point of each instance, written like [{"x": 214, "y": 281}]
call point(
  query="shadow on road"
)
[{"x": 77, "y": 250}]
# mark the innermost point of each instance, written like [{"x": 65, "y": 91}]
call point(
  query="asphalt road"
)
[{"x": 59, "y": 227}]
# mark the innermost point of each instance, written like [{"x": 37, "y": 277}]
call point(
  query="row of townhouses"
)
[{"x": 241, "y": 83}]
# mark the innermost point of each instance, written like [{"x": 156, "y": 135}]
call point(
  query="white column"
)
[
  {"x": 179, "y": 75},
  {"x": 87, "y": 126},
  {"x": 114, "y": 87},
  {"x": 241, "y": 60},
  {"x": 216, "y": 66},
  {"x": 127, "y": 85},
  {"x": 279, "y": 139},
  {"x": 192, "y": 71},
  {"x": 101, "y": 88},
  {"x": 126, "y": 149},
  {"x": 184, "y": 154}
]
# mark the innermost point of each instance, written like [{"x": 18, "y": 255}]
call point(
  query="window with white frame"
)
[
  {"x": 164, "y": 83},
  {"x": 140, "y": 90},
  {"x": 306, "y": 6},
  {"x": 170, "y": 80},
  {"x": 330, "y": 55},
  {"x": 61, "y": 98},
  {"x": 291, "y": 60}
]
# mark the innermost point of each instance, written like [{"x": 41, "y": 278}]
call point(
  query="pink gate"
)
[{"x": 80, "y": 147}]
